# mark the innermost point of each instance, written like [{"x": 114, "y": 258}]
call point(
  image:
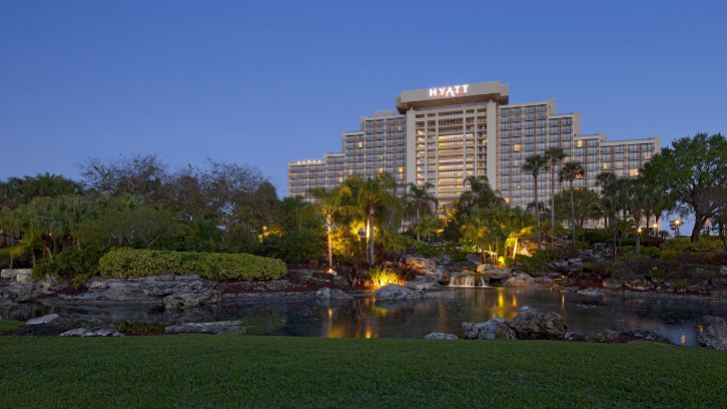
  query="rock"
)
[
  {"x": 605, "y": 335},
  {"x": 441, "y": 336},
  {"x": 712, "y": 333},
  {"x": 16, "y": 293},
  {"x": 424, "y": 283},
  {"x": 191, "y": 299},
  {"x": 421, "y": 265},
  {"x": 559, "y": 265},
  {"x": 166, "y": 276},
  {"x": 50, "y": 284},
  {"x": 473, "y": 259},
  {"x": 575, "y": 337},
  {"x": 327, "y": 293},
  {"x": 494, "y": 273},
  {"x": 46, "y": 319},
  {"x": 24, "y": 276},
  {"x": 98, "y": 332},
  {"x": 575, "y": 262},
  {"x": 217, "y": 328},
  {"x": 495, "y": 328},
  {"x": 12, "y": 273},
  {"x": 645, "y": 335},
  {"x": 723, "y": 271},
  {"x": 532, "y": 324},
  {"x": 639, "y": 284},
  {"x": 612, "y": 283},
  {"x": 394, "y": 292},
  {"x": 593, "y": 292},
  {"x": 519, "y": 280},
  {"x": 340, "y": 281}
]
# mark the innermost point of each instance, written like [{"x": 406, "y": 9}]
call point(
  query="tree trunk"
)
[
  {"x": 552, "y": 204},
  {"x": 371, "y": 237},
  {"x": 698, "y": 223},
  {"x": 417, "y": 225},
  {"x": 537, "y": 206},
  {"x": 329, "y": 229},
  {"x": 572, "y": 216},
  {"x": 638, "y": 243}
]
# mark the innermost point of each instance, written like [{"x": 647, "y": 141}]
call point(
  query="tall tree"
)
[
  {"x": 555, "y": 157},
  {"x": 419, "y": 202},
  {"x": 691, "y": 171},
  {"x": 534, "y": 165},
  {"x": 328, "y": 203},
  {"x": 570, "y": 172}
]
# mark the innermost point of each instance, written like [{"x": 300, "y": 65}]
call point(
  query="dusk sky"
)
[{"x": 263, "y": 83}]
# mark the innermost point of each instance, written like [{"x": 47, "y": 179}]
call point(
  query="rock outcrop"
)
[
  {"x": 519, "y": 280},
  {"x": 327, "y": 293},
  {"x": 46, "y": 319},
  {"x": 92, "y": 332},
  {"x": 423, "y": 283},
  {"x": 394, "y": 292},
  {"x": 496, "y": 328},
  {"x": 216, "y": 328},
  {"x": 441, "y": 336},
  {"x": 712, "y": 333},
  {"x": 532, "y": 324}
]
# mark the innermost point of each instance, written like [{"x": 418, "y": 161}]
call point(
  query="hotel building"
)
[{"x": 443, "y": 135}]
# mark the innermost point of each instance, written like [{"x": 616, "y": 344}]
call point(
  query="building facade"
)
[{"x": 440, "y": 136}]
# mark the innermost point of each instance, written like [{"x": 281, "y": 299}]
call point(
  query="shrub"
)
[
  {"x": 129, "y": 263},
  {"x": 295, "y": 247},
  {"x": 70, "y": 263},
  {"x": 538, "y": 262},
  {"x": 4, "y": 258},
  {"x": 684, "y": 244},
  {"x": 381, "y": 276},
  {"x": 427, "y": 250}
]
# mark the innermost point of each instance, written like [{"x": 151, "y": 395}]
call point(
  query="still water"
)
[{"x": 673, "y": 317}]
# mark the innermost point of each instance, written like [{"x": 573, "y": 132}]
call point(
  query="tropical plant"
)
[
  {"x": 554, "y": 157},
  {"x": 420, "y": 202},
  {"x": 533, "y": 166},
  {"x": 570, "y": 172},
  {"x": 328, "y": 203}
]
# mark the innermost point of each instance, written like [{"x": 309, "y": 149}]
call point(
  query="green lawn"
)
[
  {"x": 275, "y": 372},
  {"x": 9, "y": 325}
]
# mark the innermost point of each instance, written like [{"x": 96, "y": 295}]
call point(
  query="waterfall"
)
[{"x": 470, "y": 280}]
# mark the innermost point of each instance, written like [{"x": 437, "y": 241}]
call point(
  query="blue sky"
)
[{"x": 263, "y": 83}]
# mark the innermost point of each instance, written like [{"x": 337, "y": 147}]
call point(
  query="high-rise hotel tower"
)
[{"x": 442, "y": 135}]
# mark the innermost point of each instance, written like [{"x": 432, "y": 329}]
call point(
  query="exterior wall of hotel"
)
[
  {"x": 305, "y": 175},
  {"x": 380, "y": 146},
  {"x": 451, "y": 144}
]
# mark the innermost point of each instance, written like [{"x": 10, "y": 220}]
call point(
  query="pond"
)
[{"x": 673, "y": 317}]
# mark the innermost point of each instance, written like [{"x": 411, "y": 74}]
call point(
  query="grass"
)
[
  {"x": 9, "y": 325},
  {"x": 279, "y": 372}
]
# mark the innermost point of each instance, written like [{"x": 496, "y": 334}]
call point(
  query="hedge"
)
[{"x": 130, "y": 263}]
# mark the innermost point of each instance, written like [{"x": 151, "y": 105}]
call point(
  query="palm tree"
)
[
  {"x": 555, "y": 157},
  {"x": 570, "y": 172},
  {"x": 606, "y": 180},
  {"x": 419, "y": 201},
  {"x": 328, "y": 203},
  {"x": 533, "y": 166},
  {"x": 366, "y": 199}
]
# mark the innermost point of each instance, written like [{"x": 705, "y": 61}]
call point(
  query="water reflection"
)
[{"x": 365, "y": 318}]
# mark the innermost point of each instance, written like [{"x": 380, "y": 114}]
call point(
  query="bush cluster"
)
[
  {"x": 538, "y": 262},
  {"x": 130, "y": 263},
  {"x": 685, "y": 244}
]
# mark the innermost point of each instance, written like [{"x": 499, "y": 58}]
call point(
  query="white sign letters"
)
[{"x": 451, "y": 91}]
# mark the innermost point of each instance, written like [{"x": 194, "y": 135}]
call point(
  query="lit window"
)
[
  {"x": 360, "y": 144},
  {"x": 401, "y": 170},
  {"x": 580, "y": 143},
  {"x": 517, "y": 147},
  {"x": 605, "y": 166},
  {"x": 633, "y": 172}
]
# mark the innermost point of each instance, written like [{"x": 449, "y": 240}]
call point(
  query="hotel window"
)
[
  {"x": 580, "y": 143},
  {"x": 633, "y": 172},
  {"x": 517, "y": 147}
]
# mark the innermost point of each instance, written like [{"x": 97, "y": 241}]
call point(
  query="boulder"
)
[
  {"x": 421, "y": 265},
  {"x": 394, "y": 292},
  {"x": 639, "y": 284},
  {"x": 441, "y": 336},
  {"x": 575, "y": 262},
  {"x": 532, "y": 324},
  {"x": 494, "y": 273},
  {"x": 327, "y": 293},
  {"x": 559, "y": 265},
  {"x": 423, "y": 283},
  {"x": 216, "y": 328},
  {"x": 712, "y": 333},
  {"x": 612, "y": 283},
  {"x": 519, "y": 280},
  {"x": 24, "y": 276},
  {"x": 495, "y": 328},
  {"x": 50, "y": 285},
  {"x": 46, "y": 319},
  {"x": 473, "y": 259},
  {"x": 575, "y": 337},
  {"x": 11, "y": 273},
  {"x": 723, "y": 271},
  {"x": 16, "y": 293},
  {"x": 96, "y": 332}
]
